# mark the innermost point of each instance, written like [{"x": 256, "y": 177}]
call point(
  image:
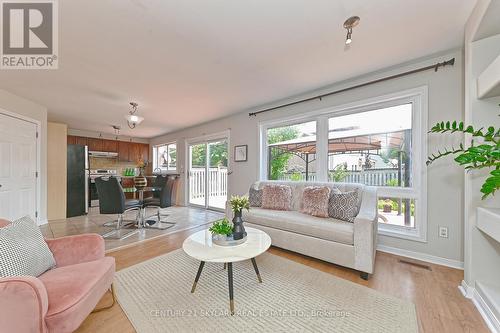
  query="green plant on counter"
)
[
  {"x": 485, "y": 155},
  {"x": 222, "y": 227},
  {"x": 238, "y": 203}
]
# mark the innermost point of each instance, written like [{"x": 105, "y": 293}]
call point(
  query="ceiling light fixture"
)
[
  {"x": 132, "y": 119},
  {"x": 350, "y": 23}
]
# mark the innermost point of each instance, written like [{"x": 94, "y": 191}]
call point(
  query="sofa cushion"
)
[
  {"x": 324, "y": 228},
  {"x": 3, "y": 223},
  {"x": 255, "y": 197},
  {"x": 343, "y": 205},
  {"x": 23, "y": 250},
  {"x": 278, "y": 197},
  {"x": 73, "y": 292},
  {"x": 315, "y": 201}
]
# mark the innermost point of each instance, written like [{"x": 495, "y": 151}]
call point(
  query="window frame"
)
[
  {"x": 419, "y": 98},
  {"x": 155, "y": 158}
]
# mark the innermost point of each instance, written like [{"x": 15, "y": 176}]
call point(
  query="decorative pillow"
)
[
  {"x": 277, "y": 197},
  {"x": 343, "y": 205},
  {"x": 255, "y": 197},
  {"x": 315, "y": 201},
  {"x": 23, "y": 250}
]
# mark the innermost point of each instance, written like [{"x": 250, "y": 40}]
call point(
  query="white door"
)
[{"x": 18, "y": 167}]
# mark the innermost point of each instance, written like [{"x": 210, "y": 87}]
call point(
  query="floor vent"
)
[{"x": 415, "y": 264}]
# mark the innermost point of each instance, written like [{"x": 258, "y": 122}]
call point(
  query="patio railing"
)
[
  {"x": 373, "y": 177},
  {"x": 217, "y": 182}
]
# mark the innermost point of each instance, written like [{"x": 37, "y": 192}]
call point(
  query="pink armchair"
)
[{"x": 59, "y": 300}]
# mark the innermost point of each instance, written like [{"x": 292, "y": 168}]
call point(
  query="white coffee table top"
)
[{"x": 199, "y": 246}]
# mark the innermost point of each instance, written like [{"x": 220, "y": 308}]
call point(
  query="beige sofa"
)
[{"x": 347, "y": 244}]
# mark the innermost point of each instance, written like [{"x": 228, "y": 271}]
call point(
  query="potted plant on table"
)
[
  {"x": 238, "y": 203},
  {"x": 221, "y": 230}
]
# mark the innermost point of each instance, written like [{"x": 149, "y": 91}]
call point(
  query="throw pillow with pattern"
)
[
  {"x": 315, "y": 201},
  {"x": 343, "y": 205},
  {"x": 23, "y": 250},
  {"x": 255, "y": 197}
]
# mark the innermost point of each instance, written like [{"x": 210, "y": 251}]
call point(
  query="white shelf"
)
[
  {"x": 488, "y": 221},
  {"x": 488, "y": 83}
]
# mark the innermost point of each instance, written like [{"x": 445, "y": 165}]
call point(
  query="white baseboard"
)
[
  {"x": 422, "y": 257},
  {"x": 42, "y": 222},
  {"x": 466, "y": 290}
]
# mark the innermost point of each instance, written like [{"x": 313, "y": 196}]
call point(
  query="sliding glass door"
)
[{"x": 208, "y": 164}]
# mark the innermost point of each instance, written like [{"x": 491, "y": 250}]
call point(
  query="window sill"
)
[{"x": 394, "y": 231}]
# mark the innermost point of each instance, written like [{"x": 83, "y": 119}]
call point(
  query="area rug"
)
[{"x": 156, "y": 297}]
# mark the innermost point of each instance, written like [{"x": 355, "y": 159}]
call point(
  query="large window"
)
[
  {"x": 380, "y": 142},
  {"x": 292, "y": 152},
  {"x": 165, "y": 157},
  {"x": 374, "y": 148}
]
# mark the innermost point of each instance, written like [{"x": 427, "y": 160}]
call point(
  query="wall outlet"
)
[{"x": 443, "y": 232}]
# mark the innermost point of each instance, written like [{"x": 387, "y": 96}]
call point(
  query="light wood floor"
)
[{"x": 440, "y": 305}]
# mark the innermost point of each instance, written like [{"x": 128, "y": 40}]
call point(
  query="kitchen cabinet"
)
[
  {"x": 94, "y": 144},
  {"x": 71, "y": 140},
  {"x": 134, "y": 152},
  {"x": 80, "y": 140},
  {"x": 123, "y": 148},
  {"x": 110, "y": 146},
  {"x": 145, "y": 152}
]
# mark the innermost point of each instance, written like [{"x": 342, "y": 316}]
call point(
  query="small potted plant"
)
[
  {"x": 237, "y": 205},
  {"x": 221, "y": 230}
]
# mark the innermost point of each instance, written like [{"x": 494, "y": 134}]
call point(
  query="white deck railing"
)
[{"x": 217, "y": 182}]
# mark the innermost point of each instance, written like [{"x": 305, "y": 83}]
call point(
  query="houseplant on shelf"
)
[
  {"x": 484, "y": 155},
  {"x": 237, "y": 205}
]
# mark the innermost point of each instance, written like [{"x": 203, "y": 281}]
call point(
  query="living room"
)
[{"x": 325, "y": 166}]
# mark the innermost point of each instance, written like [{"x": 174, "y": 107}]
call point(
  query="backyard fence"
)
[{"x": 373, "y": 177}]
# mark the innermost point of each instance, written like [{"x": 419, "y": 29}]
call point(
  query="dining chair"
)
[
  {"x": 112, "y": 201},
  {"x": 160, "y": 199}
]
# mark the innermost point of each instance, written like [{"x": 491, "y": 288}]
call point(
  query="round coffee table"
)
[{"x": 199, "y": 246}]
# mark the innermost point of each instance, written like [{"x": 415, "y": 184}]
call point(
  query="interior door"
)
[
  {"x": 18, "y": 167},
  {"x": 208, "y": 166}
]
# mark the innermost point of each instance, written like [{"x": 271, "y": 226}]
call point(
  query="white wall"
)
[
  {"x": 24, "y": 107},
  {"x": 445, "y": 179}
]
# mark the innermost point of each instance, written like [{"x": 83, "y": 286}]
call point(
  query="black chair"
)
[
  {"x": 160, "y": 199},
  {"x": 112, "y": 201}
]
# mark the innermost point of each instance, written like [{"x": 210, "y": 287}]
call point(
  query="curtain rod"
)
[{"x": 422, "y": 69}]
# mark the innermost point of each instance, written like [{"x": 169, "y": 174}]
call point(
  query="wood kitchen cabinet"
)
[
  {"x": 123, "y": 148},
  {"x": 145, "y": 152},
  {"x": 134, "y": 151},
  {"x": 71, "y": 140},
  {"x": 80, "y": 140},
  {"x": 94, "y": 144},
  {"x": 110, "y": 146}
]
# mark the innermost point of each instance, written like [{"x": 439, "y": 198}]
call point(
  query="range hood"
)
[{"x": 103, "y": 154}]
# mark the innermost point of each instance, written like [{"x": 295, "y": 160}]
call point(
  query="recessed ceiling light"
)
[{"x": 350, "y": 23}]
